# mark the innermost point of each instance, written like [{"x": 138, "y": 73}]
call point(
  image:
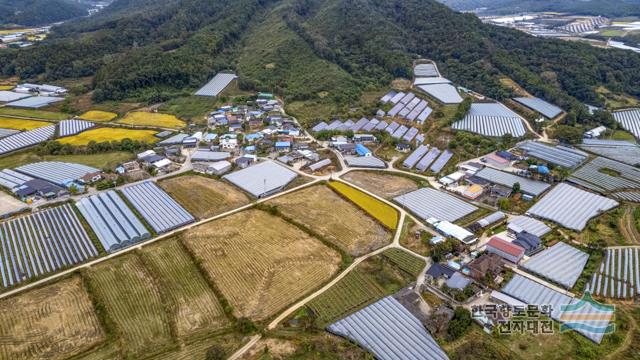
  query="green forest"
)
[{"x": 39, "y": 12}]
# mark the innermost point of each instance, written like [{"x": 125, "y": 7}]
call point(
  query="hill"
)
[
  {"x": 611, "y": 8},
  {"x": 39, "y": 12},
  {"x": 321, "y": 50}
]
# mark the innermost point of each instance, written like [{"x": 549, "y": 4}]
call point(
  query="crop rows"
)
[
  {"x": 384, "y": 213},
  {"x": 405, "y": 261},
  {"x": 619, "y": 274}
]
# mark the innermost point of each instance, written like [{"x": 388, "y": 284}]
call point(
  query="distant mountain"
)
[
  {"x": 321, "y": 50},
  {"x": 39, "y": 12},
  {"x": 608, "y": 8}
]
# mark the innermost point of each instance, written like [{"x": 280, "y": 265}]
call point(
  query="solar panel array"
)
[
  {"x": 424, "y": 163},
  {"x": 561, "y": 263},
  {"x": 26, "y": 139},
  {"x": 72, "y": 127},
  {"x": 11, "y": 179},
  {"x": 262, "y": 179},
  {"x": 593, "y": 176},
  {"x": 445, "y": 93},
  {"x": 157, "y": 207},
  {"x": 112, "y": 221},
  {"x": 389, "y": 331},
  {"x": 439, "y": 164},
  {"x": 618, "y": 275},
  {"x": 558, "y": 155},
  {"x": 547, "y": 109},
  {"x": 365, "y": 162},
  {"x": 216, "y": 85},
  {"x": 35, "y": 102},
  {"x": 534, "y": 293},
  {"x": 416, "y": 155},
  {"x": 7, "y": 132},
  {"x": 41, "y": 243},
  {"x": 427, "y": 203},
  {"x": 571, "y": 207},
  {"x": 56, "y": 172},
  {"x": 494, "y": 126},
  {"x": 630, "y": 120},
  {"x": 530, "y": 225},
  {"x": 426, "y": 70},
  {"x": 528, "y": 186},
  {"x": 623, "y": 151}
]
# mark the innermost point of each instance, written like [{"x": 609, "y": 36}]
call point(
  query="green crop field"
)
[{"x": 405, "y": 261}]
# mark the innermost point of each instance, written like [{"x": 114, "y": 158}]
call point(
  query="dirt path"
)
[
  {"x": 628, "y": 228},
  {"x": 633, "y": 326}
]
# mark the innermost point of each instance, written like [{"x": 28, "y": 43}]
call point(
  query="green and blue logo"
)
[{"x": 588, "y": 316}]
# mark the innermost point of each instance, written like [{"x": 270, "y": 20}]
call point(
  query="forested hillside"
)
[
  {"x": 39, "y": 12},
  {"x": 312, "y": 49},
  {"x": 609, "y": 8}
]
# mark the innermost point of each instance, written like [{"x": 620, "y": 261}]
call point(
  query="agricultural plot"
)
[
  {"x": 32, "y": 113},
  {"x": 204, "y": 197},
  {"x": 132, "y": 299},
  {"x": 42, "y": 243},
  {"x": 382, "y": 212},
  {"x": 110, "y": 134},
  {"x": 405, "y": 261},
  {"x": 98, "y": 116},
  {"x": 335, "y": 219},
  {"x": 140, "y": 118},
  {"x": 52, "y": 322},
  {"x": 194, "y": 303},
  {"x": 608, "y": 176},
  {"x": 618, "y": 275},
  {"x": 21, "y": 124},
  {"x": 259, "y": 262},
  {"x": 384, "y": 185}
]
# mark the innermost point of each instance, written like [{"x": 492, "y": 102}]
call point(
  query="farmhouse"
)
[
  {"x": 485, "y": 264},
  {"x": 504, "y": 249}
]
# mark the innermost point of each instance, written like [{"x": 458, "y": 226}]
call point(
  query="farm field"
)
[
  {"x": 204, "y": 197},
  {"x": 6, "y": 87},
  {"x": 409, "y": 240},
  {"x": 335, "y": 219},
  {"x": 36, "y": 114},
  {"x": 9, "y": 204},
  {"x": 100, "y": 161},
  {"x": 110, "y": 134},
  {"x": 194, "y": 303},
  {"x": 618, "y": 276},
  {"x": 260, "y": 262},
  {"x": 52, "y": 322},
  {"x": 384, "y": 213},
  {"x": 21, "y": 124},
  {"x": 384, "y": 185},
  {"x": 98, "y": 116},
  {"x": 140, "y": 118},
  {"x": 194, "y": 108},
  {"x": 405, "y": 261},
  {"x": 133, "y": 301}
]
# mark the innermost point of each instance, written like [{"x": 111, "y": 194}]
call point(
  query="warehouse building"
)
[{"x": 262, "y": 179}]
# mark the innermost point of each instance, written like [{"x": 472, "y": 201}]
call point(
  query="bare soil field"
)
[
  {"x": 194, "y": 304},
  {"x": 204, "y": 197},
  {"x": 52, "y": 322},
  {"x": 260, "y": 262},
  {"x": 9, "y": 204},
  {"x": 384, "y": 185},
  {"x": 334, "y": 218}
]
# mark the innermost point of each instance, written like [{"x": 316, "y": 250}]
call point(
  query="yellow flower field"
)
[
  {"x": 20, "y": 124},
  {"x": 382, "y": 212},
  {"x": 98, "y": 116},
  {"x": 152, "y": 119},
  {"x": 109, "y": 134}
]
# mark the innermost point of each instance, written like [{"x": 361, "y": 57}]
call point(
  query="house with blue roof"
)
[
  {"x": 283, "y": 146},
  {"x": 362, "y": 150}
]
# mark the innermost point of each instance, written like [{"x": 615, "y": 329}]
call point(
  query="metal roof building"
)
[
  {"x": 593, "y": 177},
  {"x": 561, "y": 263},
  {"x": 439, "y": 164},
  {"x": 424, "y": 163},
  {"x": 445, "y": 93},
  {"x": 424, "y": 115},
  {"x": 548, "y": 110},
  {"x": 528, "y": 186},
  {"x": 320, "y": 164},
  {"x": 174, "y": 140},
  {"x": 620, "y": 150},
  {"x": 630, "y": 120},
  {"x": 396, "y": 109},
  {"x": 417, "y": 110},
  {"x": 202, "y": 155},
  {"x": 388, "y": 330},
  {"x": 532, "y": 226},
  {"x": 534, "y": 293},
  {"x": 392, "y": 127},
  {"x": 320, "y": 126},
  {"x": 359, "y": 124},
  {"x": 430, "y": 81},
  {"x": 262, "y": 179},
  {"x": 365, "y": 162},
  {"x": 11, "y": 179},
  {"x": 416, "y": 155},
  {"x": 35, "y": 102},
  {"x": 409, "y": 135},
  {"x": 491, "y": 219},
  {"x": 7, "y": 132},
  {"x": 9, "y": 96},
  {"x": 491, "y": 119},
  {"x": 333, "y": 125},
  {"x": 427, "y": 69},
  {"x": 111, "y": 219},
  {"x": 56, "y": 172},
  {"x": 399, "y": 132},
  {"x": 216, "y": 85},
  {"x": 382, "y": 125},
  {"x": 72, "y": 127},
  {"x": 458, "y": 281},
  {"x": 371, "y": 125},
  {"x": 397, "y": 97},
  {"x": 558, "y": 155},
  {"x": 385, "y": 99},
  {"x": 26, "y": 139},
  {"x": 571, "y": 207},
  {"x": 42, "y": 242},
  {"x": 427, "y": 203},
  {"x": 157, "y": 207}
]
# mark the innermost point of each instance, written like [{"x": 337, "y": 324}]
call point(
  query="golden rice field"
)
[
  {"x": 20, "y": 124},
  {"x": 259, "y": 262},
  {"x": 98, "y": 116},
  {"x": 52, "y": 322},
  {"x": 384, "y": 213},
  {"x": 6, "y": 87},
  {"x": 140, "y": 118},
  {"x": 33, "y": 113},
  {"x": 110, "y": 134}
]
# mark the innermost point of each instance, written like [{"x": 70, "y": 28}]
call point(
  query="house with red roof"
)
[{"x": 505, "y": 249}]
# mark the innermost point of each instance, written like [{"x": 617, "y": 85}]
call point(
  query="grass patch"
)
[
  {"x": 20, "y": 124},
  {"x": 109, "y": 134},
  {"x": 140, "y": 118},
  {"x": 384, "y": 213},
  {"x": 36, "y": 114},
  {"x": 609, "y": 172},
  {"x": 98, "y": 116},
  {"x": 616, "y": 101},
  {"x": 101, "y": 161},
  {"x": 194, "y": 108},
  {"x": 623, "y": 135}
]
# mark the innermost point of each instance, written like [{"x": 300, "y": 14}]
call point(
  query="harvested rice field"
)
[
  {"x": 109, "y": 134},
  {"x": 98, "y": 116},
  {"x": 259, "y": 262},
  {"x": 384, "y": 185},
  {"x": 204, "y": 197},
  {"x": 334, "y": 218},
  {"x": 140, "y": 118},
  {"x": 52, "y": 322},
  {"x": 20, "y": 124}
]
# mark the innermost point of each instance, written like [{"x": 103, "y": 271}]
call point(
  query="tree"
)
[
  {"x": 568, "y": 134},
  {"x": 516, "y": 188},
  {"x": 216, "y": 352},
  {"x": 460, "y": 323},
  {"x": 504, "y": 204}
]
